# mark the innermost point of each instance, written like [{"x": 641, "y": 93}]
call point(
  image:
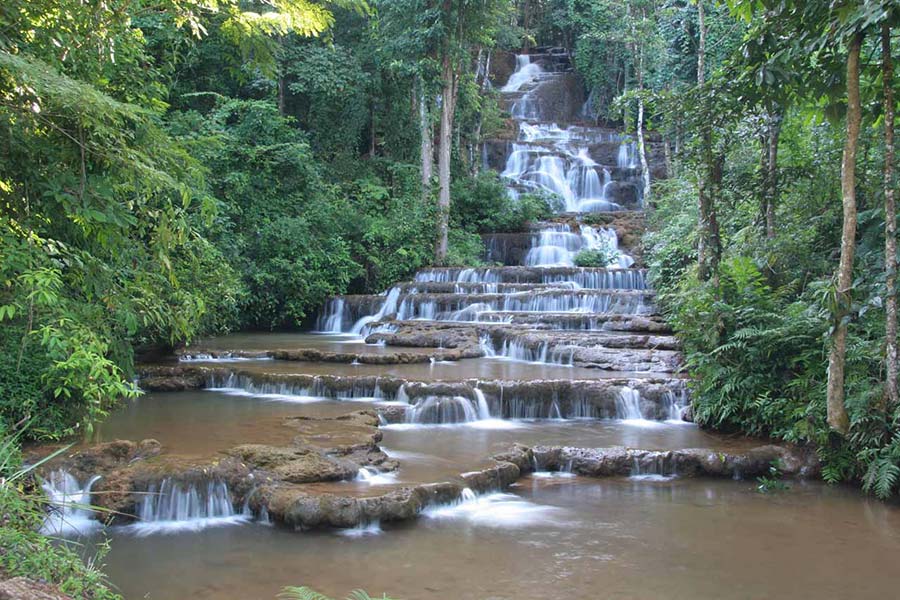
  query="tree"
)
[
  {"x": 837, "y": 411},
  {"x": 463, "y": 25},
  {"x": 709, "y": 247},
  {"x": 890, "y": 221}
]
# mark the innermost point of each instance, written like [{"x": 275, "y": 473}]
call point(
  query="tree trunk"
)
[
  {"x": 890, "y": 222},
  {"x": 706, "y": 253},
  {"x": 448, "y": 101},
  {"x": 642, "y": 149},
  {"x": 773, "y": 132},
  {"x": 667, "y": 157},
  {"x": 763, "y": 172},
  {"x": 426, "y": 148},
  {"x": 372, "y": 138},
  {"x": 836, "y": 410}
]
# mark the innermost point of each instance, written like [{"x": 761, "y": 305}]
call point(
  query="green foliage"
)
[
  {"x": 26, "y": 553},
  {"x": 482, "y": 204},
  {"x": 596, "y": 257},
  {"x": 329, "y": 96},
  {"x": 772, "y": 482},
  {"x": 305, "y": 593}
]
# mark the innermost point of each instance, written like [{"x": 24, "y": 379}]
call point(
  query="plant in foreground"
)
[{"x": 306, "y": 593}]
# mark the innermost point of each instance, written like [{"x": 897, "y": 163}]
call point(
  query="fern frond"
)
[{"x": 302, "y": 593}]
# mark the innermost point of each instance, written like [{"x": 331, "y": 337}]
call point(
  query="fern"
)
[
  {"x": 302, "y": 593},
  {"x": 306, "y": 593}
]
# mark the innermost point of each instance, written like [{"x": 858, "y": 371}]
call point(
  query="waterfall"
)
[
  {"x": 175, "y": 506},
  {"x": 374, "y": 477},
  {"x": 628, "y": 404},
  {"x": 554, "y": 246},
  {"x": 484, "y": 411},
  {"x": 654, "y": 466},
  {"x": 333, "y": 322},
  {"x": 388, "y": 307},
  {"x": 487, "y": 346},
  {"x": 441, "y": 410},
  {"x": 69, "y": 514},
  {"x": 565, "y": 161},
  {"x": 526, "y": 72}
]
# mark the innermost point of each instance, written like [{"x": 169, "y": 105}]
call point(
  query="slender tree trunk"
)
[
  {"x": 890, "y": 222},
  {"x": 706, "y": 253},
  {"x": 667, "y": 156},
  {"x": 836, "y": 410},
  {"x": 773, "y": 132},
  {"x": 281, "y": 79},
  {"x": 642, "y": 149},
  {"x": 372, "y": 138},
  {"x": 448, "y": 102},
  {"x": 763, "y": 172},
  {"x": 426, "y": 148},
  {"x": 676, "y": 151}
]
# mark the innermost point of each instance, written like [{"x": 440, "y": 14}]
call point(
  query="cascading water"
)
[
  {"x": 442, "y": 410},
  {"x": 655, "y": 466},
  {"x": 566, "y": 162},
  {"x": 70, "y": 512},
  {"x": 557, "y": 245},
  {"x": 526, "y": 72},
  {"x": 173, "y": 506}
]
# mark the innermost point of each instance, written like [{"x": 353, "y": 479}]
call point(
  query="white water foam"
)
[{"x": 494, "y": 510}]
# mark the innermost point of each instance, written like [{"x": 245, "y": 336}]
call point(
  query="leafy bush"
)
[
  {"x": 596, "y": 257},
  {"x": 483, "y": 204}
]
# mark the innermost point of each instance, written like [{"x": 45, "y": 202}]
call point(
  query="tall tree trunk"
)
[
  {"x": 445, "y": 141},
  {"x": 763, "y": 172},
  {"x": 707, "y": 253},
  {"x": 426, "y": 148},
  {"x": 667, "y": 156},
  {"x": 773, "y": 133},
  {"x": 890, "y": 222},
  {"x": 836, "y": 410},
  {"x": 642, "y": 149},
  {"x": 372, "y": 138}
]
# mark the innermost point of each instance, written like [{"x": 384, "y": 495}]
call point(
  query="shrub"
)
[
  {"x": 596, "y": 257},
  {"x": 483, "y": 204}
]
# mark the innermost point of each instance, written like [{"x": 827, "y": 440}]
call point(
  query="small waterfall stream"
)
[
  {"x": 70, "y": 514},
  {"x": 174, "y": 506}
]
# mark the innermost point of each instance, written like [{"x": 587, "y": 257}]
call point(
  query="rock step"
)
[
  {"x": 265, "y": 481},
  {"x": 439, "y": 330},
  {"x": 447, "y": 287},
  {"x": 656, "y": 396},
  {"x": 589, "y": 278},
  {"x": 398, "y": 357},
  {"x": 691, "y": 462},
  {"x": 605, "y": 339}
]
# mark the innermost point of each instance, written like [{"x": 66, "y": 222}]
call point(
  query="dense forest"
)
[{"x": 171, "y": 169}]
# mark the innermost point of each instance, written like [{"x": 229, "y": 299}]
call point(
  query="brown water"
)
[
  {"x": 205, "y": 423},
  {"x": 574, "y": 538}
]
